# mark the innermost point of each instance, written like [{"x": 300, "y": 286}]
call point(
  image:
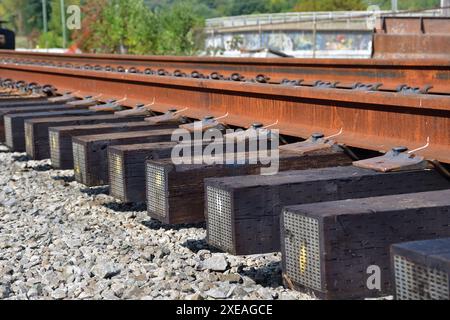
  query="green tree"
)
[
  {"x": 331, "y": 5},
  {"x": 275, "y": 6},
  {"x": 218, "y": 8},
  {"x": 129, "y": 26},
  {"x": 407, "y": 4},
  {"x": 143, "y": 30},
  {"x": 33, "y": 15},
  {"x": 13, "y": 12},
  {"x": 89, "y": 37},
  {"x": 249, "y": 7},
  {"x": 54, "y": 37},
  {"x": 179, "y": 25}
]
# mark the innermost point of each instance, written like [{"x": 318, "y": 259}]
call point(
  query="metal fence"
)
[{"x": 292, "y": 17}]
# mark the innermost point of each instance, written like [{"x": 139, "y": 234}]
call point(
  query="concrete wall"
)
[
  {"x": 300, "y": 34},
  {"x": 296, "y": 43}
]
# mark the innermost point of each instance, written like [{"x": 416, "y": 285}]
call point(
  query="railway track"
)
[
  {"x": 335, "y": 207},
  {"x": 363, "y": 117},
  {"x": 385, "y": 75}
]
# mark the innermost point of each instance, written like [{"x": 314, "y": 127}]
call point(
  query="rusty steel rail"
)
[
  {"x": 390, "y": 74},
  {"x": 371, "y": 120}
]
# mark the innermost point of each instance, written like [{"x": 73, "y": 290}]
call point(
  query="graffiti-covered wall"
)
[{"x": 296, "y": 43}]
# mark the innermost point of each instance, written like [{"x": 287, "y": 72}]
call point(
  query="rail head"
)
[
  {"x": 372, "y": 120},
  {"x": 108, "y": 58}
]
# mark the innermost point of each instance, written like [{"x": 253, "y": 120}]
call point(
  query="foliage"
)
[
  {"x": 33, "y": 15},
  {"x": 218, "y": 8},
  {"x": 407, "y": 4},
  {"x": 178, "y": 27},
  {"x": 49, "y": 40},
  {"x": 14, "y": 12},
  {"x": 122, "y": 23},
  {"x": 128, "y": 26},
  {"x": 54, "y": 37},
  {"x": 331, "y": 5},
  {"x": 88, "y": 36}
]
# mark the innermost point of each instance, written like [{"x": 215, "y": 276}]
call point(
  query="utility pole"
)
[
  {"x": 394, "y": 6},
  {"x": 314, "y": 48},
  {"x": 44, "y": 15},
  {"x": 63, "y": 22},
  {"x": 445, "y": 4}
]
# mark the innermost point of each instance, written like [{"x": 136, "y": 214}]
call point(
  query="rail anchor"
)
[
  {"x": 316, "y": 142},
  {"x": 398, "y": 159}
]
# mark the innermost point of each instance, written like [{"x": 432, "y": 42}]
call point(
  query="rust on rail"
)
[
  {"x": 372, "y": 120},
  {"x": 390, "y": 74}
]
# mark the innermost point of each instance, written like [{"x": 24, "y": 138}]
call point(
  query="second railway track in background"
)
[
  {"x": 338, "y": 203},
  {"x": 384, "y": 74}
]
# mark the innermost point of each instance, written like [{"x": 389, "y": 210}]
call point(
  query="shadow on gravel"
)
[
  {"x": 197, "y": 245},
  {"x": 268, "y": 276},
  {"x": 95, "y": 190},
  {"x": 42, "y": 168},
  {"x": 66, "y": 179},
  {"x": 126, "y": 207},
  {"x": 156, "y": 225},
  {"x": 21, "y": 158}
]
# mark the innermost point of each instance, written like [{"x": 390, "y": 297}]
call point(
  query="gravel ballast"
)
[{"x": 61, "y": 240}]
